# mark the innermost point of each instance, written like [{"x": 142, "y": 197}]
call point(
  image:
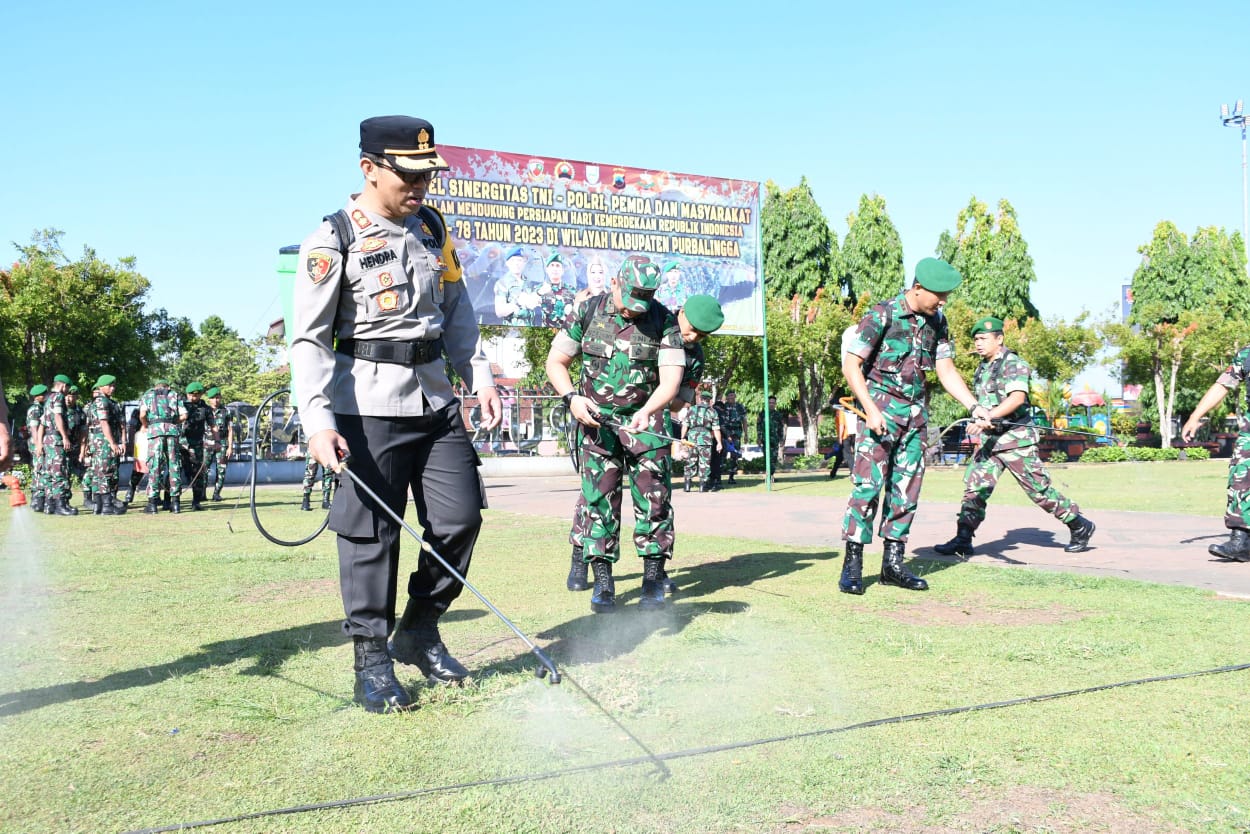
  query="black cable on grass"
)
[{"x": 679, "y": 754}]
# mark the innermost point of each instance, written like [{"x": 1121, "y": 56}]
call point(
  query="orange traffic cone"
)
[{"x": 17, "y": 498}]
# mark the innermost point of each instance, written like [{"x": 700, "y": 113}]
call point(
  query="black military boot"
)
[
  {"x": 961, "y": 545},
  {"x": 1237, "y": 548},
  {"x": 62, "y": 507},
  {"x": 307, "y": 505},
  {"x": 36, "y": 504},
  {"x": 603, "y": 600},
  {"x": 325, "y": 502},
  {"x": 175, "y": 505},
  {"x": 852, "y": 581},
  {"x": 108, "y": 505},
  {"x": 130, "y": 495},
  {"x": 652, "y": 583},
  {"x": 97, "y": 505},
  {"x": 577, "y": 580},
  {"x": 196, "y": 499},
  {"x": 377, "y": 689},
  {"x": 152, "y": 508},
  {"x": 1082, "y": 529},
  {"x": 893, "y": 572},
  {"x": 417, "y": 642},
  {"x": 217, "y": 493},
  {"x": 670, "y": 587},
  {"x": 168, "y": 504}
]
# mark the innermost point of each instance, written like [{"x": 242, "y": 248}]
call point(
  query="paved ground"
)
[{"x": 1153, "y": 547}]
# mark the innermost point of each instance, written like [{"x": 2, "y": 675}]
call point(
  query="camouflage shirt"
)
[
  {"x": 34, "y": 416},
  {"x": 898, "y": 345},
  {"x": 556, "y": 307},
  {"x": 995, "y": 379},
  {"x": 52, "y": 406},
  {"x": 700, "y": 421},
  {"x": 76, "y": 423},
  {"x": 163, "y": 409},
  {"x": 621, "y": 357},
  {"x": 1234, "y": 375},
  {"x": 219, "y": 424},
  {"x": 735, "y": 419},
  {"x": 104, "y": 410}
]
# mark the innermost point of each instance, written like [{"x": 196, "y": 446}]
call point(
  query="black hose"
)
[{"x": 252, "y": 495}]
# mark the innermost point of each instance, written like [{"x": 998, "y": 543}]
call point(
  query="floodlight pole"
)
[{"x": 1238, "y": 119}]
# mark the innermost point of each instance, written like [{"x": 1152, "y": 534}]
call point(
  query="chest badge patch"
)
[
  {"x": 385, "y": 279},
  {"x": 373, "y": 244},
  {"x": 388, "y": 301},
  {"x": 318, "y": 266}
]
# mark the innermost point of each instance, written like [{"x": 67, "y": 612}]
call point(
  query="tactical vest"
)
[
  {"x": 988, "y": 379},
  {"x": 700, "y": 419},
  {"x": 54, "y": 403},
  {"x": 601, "y": 327},
  {"x": 908, "y": 345}
]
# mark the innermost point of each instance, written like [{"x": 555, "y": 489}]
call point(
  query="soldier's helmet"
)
[{"x": 639, "y": 278}]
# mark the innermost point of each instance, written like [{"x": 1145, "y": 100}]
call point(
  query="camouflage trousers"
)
[
  {"x": 310, "y": 477},
  {"x": 606, "y": 457},
  {"x": 987, "y": 466},
  {"x": 55, "y": 472},
  {"x": 103, "y": 468},
  {"x": 1237, "y": 512},
  {"x": 37, "y": 488},
  {"x": 164, "y": 463},
  {"x": 215, "y": 459},
  {"x": 699, "y": 456},
  {"x": 894, "y": 462}
]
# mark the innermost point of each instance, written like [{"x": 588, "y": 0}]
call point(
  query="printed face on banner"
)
[{"x": 510, "y": 214}]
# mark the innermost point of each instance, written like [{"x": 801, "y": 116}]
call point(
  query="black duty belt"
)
[{"x": 396, "y": 353}]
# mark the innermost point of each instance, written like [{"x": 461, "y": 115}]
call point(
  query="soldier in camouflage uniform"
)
[
  {"x": 219, "y": 440},
  {"x": 34, "y": 430},
  {"x": 1001, "y": 384},
  {"x": 516, "y": 302},
  {"x": 701, "y": 317},
  {"x": 556, "y": 297},
  {"x": 194, "y": 432},
  {"x": 885, "y": 364},
  {"x": 632, "y": 365},
  {"x": 776, "y": 439},
  {"x": 161, "y": 412},
  {"x": 702, "y": 426},
  {"x": 731, "y": 428},
  {"x": 76, "y": 420},
  {"x": 104, "y": 417},
  {"x": 1237, "y": 510},
  {"x": 54, "y": 432},
  {"x": 310, "y": 477}
]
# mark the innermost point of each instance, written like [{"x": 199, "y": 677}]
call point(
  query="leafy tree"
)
[
  {"x": 800, "y": 250},
  {"x": 991, "y": 254},
  {"x": 216, "y": 356},
  {"x": 82, "y": 318},
  {"x": 872, "y": 254},
  {"x": 1057, "y": 350}
]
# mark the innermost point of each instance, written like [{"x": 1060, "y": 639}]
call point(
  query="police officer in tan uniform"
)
[{"x": 379, "y": 303}]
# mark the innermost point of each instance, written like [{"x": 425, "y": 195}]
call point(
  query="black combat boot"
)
[
  {"x": 196, "y": 498},
  {"x": 307, "y": 505},
  {"x": 168, "y": 504},
  {"x": 961, "y": 545},
  {"x": 603, "y": 600},
  {"x": 577, "y": 580},
  {"x": 62, "y": 507},
  {"x": 152, "y": 508},
  {"x": 97, "y": 505},
  {"x": 88, "y": 498},
  {"x": 852, "y": 581},
  {"x": 652, "y": 583},
  {"x": 417, "y": 642},
  {"x": 36, "y": 504},
  {"x": 325, "y": 502},
  {"x": 175, "y": 505},
  {"x": 893, "y": 572},
  {"x": 377, "y": 689},
  {"x": 130, "y": 495},
  {"x": 217, "y": 493},
  {"x": 1237, "y": 548},
  {"x": 670, "y": 587},
  {"x": 109, "y": 506},
  {"x": 1082, "y": 529}
]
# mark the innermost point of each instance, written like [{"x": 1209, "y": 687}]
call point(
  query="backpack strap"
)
[
  {"x": 437, "y": 224},
  {"x": 342, "y": 230}
]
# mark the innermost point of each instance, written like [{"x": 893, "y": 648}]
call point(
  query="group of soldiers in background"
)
[{"x": 187, "y": 438}]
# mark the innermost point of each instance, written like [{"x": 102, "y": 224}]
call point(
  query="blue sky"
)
[{"x": 201, "y": 138}]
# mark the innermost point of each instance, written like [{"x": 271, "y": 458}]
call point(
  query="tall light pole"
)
[{"x": 1238, "y": 119}]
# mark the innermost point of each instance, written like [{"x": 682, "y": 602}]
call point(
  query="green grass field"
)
[{"x": 158, "y": 670}]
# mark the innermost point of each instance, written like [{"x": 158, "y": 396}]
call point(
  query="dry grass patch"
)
[{"x": 978, "y": 609}]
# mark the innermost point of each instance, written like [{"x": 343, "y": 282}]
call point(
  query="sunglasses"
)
[{"x": 408, "y": 177}]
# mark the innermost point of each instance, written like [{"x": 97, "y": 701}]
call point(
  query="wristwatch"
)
[{"x": 568, "y": 398}]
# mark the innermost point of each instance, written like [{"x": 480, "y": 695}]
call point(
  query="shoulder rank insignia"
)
[{"x": 359, "y": 218}]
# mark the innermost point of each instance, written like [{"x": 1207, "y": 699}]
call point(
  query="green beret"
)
[
  {"x": 988, "y": 324},
  {"x": 705, "y": 394},
  {"x": 73, "y": 389},
  {"x": 36, "y": 390},
  {"x": 62, "y": 378},
  {"x": 194, "y": 387},
  {"x": 937, "y": 276},
  {"x": 212, "y": 392},
  {"x": 704, "y": 313},
  {"x": 555, "y": 259},
  {"x": 107, "y": 379},
  {"x": 670, "y": 266},
  {"x": 164, "y": 382}
]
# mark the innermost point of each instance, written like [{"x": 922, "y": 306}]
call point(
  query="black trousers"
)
[{"x": 431, "y": 457}]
